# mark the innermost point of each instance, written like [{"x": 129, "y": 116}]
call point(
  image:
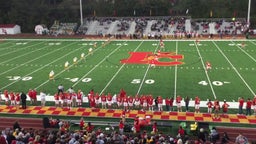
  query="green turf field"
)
[{"x": 26, "y": 63}]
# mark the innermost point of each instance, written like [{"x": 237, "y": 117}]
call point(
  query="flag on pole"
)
[
  {"x": 211, "y": 13},
  {"x": 187, "y": 11}
]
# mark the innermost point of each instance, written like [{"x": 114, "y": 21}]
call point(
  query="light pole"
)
[
  {"x": 248, "y": 15},
  {"x": 81, "y": 12}
]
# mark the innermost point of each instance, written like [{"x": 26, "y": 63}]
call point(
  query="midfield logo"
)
[{"x": 159, "y": 59}]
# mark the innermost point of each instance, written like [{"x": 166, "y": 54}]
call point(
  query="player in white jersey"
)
[{"x": 51, "y": 75}]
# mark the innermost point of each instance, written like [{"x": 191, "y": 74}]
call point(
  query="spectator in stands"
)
[
  {"x": 186, "y": 100},
  {"x": 181, "y": 132},
  {"x": 214, "y": 135},
  {"x": 240, "y": 139},
  {"x": 225, "y": 139},
  {"x": 121, "y": 127},
  {"x": 16, "y": 125},
  {"x": 81, "y": 123},
  {"x": 23, "y": 97},
  {"x": 202, "y": 136}
]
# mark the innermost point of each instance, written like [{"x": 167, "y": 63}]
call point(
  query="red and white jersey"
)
[
  {"x": 178, "y": 99},
  {"x": 103, "y": 98},
  {"x": 17, "y": 97},
  {"x": 6, "y": 95},
  {"x": 209, "y": 104},
  {"x": 79, "y": 95},
  {"x": 109, "y": 97},
  {"x": 150, "y": 101},
  {"x": 131, "y": 99},
  {"x": 12, "y": 96},
  {"x": 160, "y": 100},
  {"x": 56, "y": 97},
  {"x": 69, "y": 97},
  {"x": 197, "y": 100},
  {"x": 208, "y": 65}
]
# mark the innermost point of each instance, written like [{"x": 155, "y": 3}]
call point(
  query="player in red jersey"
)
[
  {"x": 103, "y": 101},
  {"x": 97, "y": 100},
  {"x": 248, "y": 106},
  {"x": 12, "y": 97},
  {"x": 171, "y": 103},
  {"x": 30, "y": 95},
  {"x": 109, "y": 100},
  {"x": 137, "y": 102},
  {"x": 144, "y": 102},
  {"x": 225, "y": 106},
  {"x": 178, "y": 103},
  {"x": 209, "y": 106},
  {"x": 241, "y": 104},
  {"x": 122, "y": 93},
  {"x": 34, "y": 96},
  {"x": 119, "y": 101},
  {"x": 130, "y": 102},
  {"x": 6, "y": 96},
  {"x": 57, "y": 100},
  {"x": 79, "y": 98},
  {"x": 17, "y": 100},
  {"x": 167, "y": 104},
  {"x": 150, "y": 101},
  {"x": 62, "y": 99},
  {"x": 208, "y": 66},
  {"x": 216, "y": 107},
  {"x": 69, "y": 100},
  {"x": 160, "y": 103},
  {"x": 197, "y": 104},
  {"x": 125, "y": 102}
]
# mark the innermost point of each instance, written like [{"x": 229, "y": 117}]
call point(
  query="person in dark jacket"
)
[{"x": 23, "y": 97}]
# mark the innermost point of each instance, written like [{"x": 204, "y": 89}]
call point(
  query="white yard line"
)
[
  {"x": 175, "y": 75},
  {"x": 96, "y": 65},
  {"x": 144, "y": 77},
  {"x": 64, "y": 56},
  {"x": 242, "y": 49},
  {"x": 118, "y": 71},
  {"x": 205, "y": 71},
  {"x": 35, "y": 58},
  {"x": 20, "y": 49},
  {"x": 234, "y": 69}
]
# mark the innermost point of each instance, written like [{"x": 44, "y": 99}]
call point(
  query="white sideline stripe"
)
[
  {"x": 117, "y": 72},
  {"x": 146, "y": 73},
  {"x": 205, "y": 71},
  {"x": 43, "y": 66},
  {"x": 203, "y": 104},
  {"x": 96, "y": 66},
  {"x": 91, "y": 39},
  {"x": 31, "y": 60},
  {"x": 245, "y": 52},
  {"x": 7, "y": 47},
  {"x": 234, "y": 69},
  {"x": 20, "y": 49},
  {"x": 175, "y": 74}
]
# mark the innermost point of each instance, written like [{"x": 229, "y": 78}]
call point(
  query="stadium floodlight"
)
[
  {"x": 81, "y": 12},
  {"x": 248, "y": 15}
]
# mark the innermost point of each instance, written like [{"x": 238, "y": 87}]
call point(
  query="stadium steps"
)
[
  {"x": 91, "y": 28},
  {"x": 233, "y": 132},
  {"x": 112, "y": 27},
  {"x": 132, "y": 27},
  {"x": 27, "y": 123},
  {"x": 148, "y": 28}
]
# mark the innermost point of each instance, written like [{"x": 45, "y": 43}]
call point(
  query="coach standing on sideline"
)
[
  {"x": 23, "y": 97},
  {"x": 60, "y": 89}
]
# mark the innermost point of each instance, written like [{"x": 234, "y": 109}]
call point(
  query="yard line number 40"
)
[{"x": 215, "y": 83}]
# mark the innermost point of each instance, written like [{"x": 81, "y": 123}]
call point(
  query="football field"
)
[{"x": 179, "y": 68}]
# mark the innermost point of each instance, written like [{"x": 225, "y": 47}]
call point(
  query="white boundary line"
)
[
  {"x": 234, "y": 68},
  {"x": 118, "y": 71},
  {"x": 205, "y": 71},
  {"x": 32, "y": 59},
  {"x": 43, "y": 66},
  {"x": 245, "y": 52},
  {"x": 21, "y": 49}
]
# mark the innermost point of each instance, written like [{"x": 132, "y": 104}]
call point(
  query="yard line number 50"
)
[{"x": 137, "y": 81}]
